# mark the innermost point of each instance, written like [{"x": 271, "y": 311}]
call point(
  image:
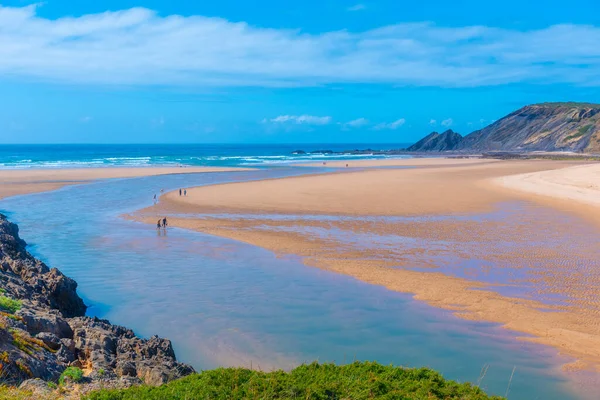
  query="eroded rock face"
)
[
  {"x": 50, "y": 332},
  {"x": 538, "y": 127},
  {"x": 37, "y": 281},
  {"x": 541, "y": 127},
  {"x": 447, "y": 141}
]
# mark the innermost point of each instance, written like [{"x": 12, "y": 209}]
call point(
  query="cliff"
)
[
  {"x": 539, "y": 127},
  {"x": 448, "y": 140},
  {"x": 44, "y": 330}
]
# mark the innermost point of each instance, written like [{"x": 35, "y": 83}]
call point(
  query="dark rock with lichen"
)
[{"x": 44, "y": 330}]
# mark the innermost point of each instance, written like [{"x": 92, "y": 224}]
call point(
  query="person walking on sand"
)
[
  {"x": 180, "y": 192},
  {"x": 185, "y": 192}
]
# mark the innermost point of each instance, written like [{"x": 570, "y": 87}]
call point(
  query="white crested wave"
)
[{"x": 10, "y": 161}]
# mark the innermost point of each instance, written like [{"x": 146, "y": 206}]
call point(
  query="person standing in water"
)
[
  {"x": 164, "y": 222},
  {"x": 158, "y": 225}
]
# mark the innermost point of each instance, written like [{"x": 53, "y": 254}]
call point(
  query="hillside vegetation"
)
[{"x": 360, "y": 380}]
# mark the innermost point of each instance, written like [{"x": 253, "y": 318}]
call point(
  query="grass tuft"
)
[
  {"x": 72, "y": 374},
  {"x": 9, "y": 305}
]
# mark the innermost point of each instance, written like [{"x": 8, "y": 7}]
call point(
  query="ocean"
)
[{"x": 130, "y": 155}]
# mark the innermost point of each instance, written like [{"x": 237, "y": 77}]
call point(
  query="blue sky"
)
[{"x": 281, "y": 71}]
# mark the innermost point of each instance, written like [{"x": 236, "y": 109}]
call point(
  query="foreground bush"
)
[{"x": 315, "y": 381}]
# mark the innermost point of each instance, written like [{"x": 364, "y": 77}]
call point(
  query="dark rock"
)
[
  {"x": 37, "y": 282},
  {"x": 37, "y": 387},
  {"x": 50, "y": 340},
  {"x": 126, "y": 368},
  {"x": 50, "y": 333},
  {"x": 45, "y": 321},
  {"x": 446, "y": 141}
]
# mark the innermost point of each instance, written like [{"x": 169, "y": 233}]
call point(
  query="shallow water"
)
[{"x": 226, "y": 303}]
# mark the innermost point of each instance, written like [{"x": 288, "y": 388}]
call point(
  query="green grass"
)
[
  {"x": 9, "y": 305},
  {"x": 309, "y": 382},
  {"x": 72, "y": 374}
]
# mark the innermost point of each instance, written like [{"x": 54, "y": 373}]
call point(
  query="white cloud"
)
[
  {"x": 391, "y": 125},
  {"x": 447, "y": 122},
  {"x": 300, "y": 119},
  {"x": 357, "y": 7},
  {"x": 357, "y": 123},
  {"x": 432, "y": 122},
  {"x": 140, "y": 47}
]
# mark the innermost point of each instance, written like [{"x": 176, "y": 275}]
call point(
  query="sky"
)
[{"x": 267, "y": 71}]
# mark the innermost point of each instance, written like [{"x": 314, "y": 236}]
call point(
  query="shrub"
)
[
  {"x": 72, "y": 374},
  {"x": 9, "y": 305},
  {"x": 315, "y": 381}
]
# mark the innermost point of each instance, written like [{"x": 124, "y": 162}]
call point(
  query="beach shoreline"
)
[
  {"x": 453, "y": 188},
  {"x": 15, "y": 182}
]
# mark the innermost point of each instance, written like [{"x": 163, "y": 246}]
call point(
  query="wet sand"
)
[
  {"x": 527, "y": 267},
  {"x": 400, "y": 162},
  {"x": 451, "y": 187},
  {"x": 25, "y": 181}
]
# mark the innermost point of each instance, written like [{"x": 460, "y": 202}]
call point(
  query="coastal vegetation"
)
[
  {"x": 9, "y": 305},
  {"x": 71, "y": 374},
  {"x": 359, "y": 380}
]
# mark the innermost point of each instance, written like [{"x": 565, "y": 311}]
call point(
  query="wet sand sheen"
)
[{"x": 572, "y": 325}]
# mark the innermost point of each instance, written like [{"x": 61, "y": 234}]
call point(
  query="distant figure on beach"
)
[
  {"x": 154, "y": 198},
  {"x": 185, "y": 192},
  {"x": 164, "y": 222},
  {"x": 346, "y": 165},
  {"x": 158, "y": 225},
  {"x": 180, "y": 192}
]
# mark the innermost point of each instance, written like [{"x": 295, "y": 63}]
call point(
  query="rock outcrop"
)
[
  {"x": 446, "y": 141},
  {"x": 539, "y": 127},
  {"x": 44, "y": 330}
]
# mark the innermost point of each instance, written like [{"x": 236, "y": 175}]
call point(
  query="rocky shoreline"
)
[{"x": 44, "y": 330}]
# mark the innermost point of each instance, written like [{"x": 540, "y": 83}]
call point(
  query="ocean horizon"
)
[{"x": 25, "y": 156}]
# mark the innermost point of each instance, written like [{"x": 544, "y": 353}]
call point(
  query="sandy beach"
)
[
  {"x": 579, "y": 183},
  {"x": 451, "y": 232},
  {"x": 400, "y": 162},
  {"x": 15, "y": 182}
]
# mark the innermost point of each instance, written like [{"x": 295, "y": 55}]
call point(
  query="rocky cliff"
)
[
  {"x": 539, "y": 127},
  {"x": 448, "y": 140},
  {"x": 43, "y": 330}
]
